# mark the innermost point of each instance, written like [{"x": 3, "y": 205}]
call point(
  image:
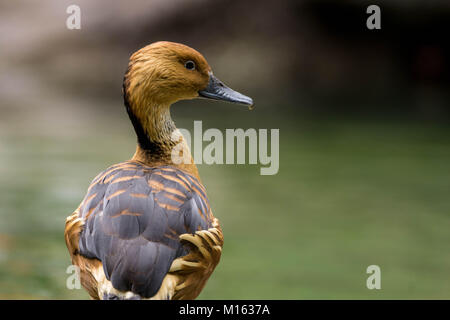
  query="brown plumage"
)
[{"x": 145, "y": 229}]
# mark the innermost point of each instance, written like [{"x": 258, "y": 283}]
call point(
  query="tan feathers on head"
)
[{"x": 157, "y": 74}]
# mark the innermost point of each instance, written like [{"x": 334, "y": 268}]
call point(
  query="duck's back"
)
[{"x": 133, "y": 218}]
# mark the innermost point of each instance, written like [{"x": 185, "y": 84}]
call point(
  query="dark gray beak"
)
[{"x": 216, "y": 90}]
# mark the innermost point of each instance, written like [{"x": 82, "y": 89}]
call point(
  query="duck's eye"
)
[{"x": 190, "y": 65}]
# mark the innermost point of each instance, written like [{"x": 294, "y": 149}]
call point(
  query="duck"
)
[{"x": 145, "y": 228}]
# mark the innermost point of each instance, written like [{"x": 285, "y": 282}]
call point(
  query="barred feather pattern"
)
[{"x": 144, "y": 232}]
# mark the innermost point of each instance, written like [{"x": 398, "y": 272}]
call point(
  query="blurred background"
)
[{"x": 364, "y": 139}]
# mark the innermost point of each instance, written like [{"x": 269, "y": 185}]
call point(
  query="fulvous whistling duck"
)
[{"x": 145, "y": 229}]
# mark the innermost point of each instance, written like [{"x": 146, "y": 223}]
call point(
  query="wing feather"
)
[{"x": 134, "y": 216}]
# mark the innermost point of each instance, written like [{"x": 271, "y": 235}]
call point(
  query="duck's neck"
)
[{"x": 157, "y": 137}]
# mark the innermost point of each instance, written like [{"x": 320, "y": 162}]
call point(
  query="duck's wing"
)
[{"x": 133, "y": 218}]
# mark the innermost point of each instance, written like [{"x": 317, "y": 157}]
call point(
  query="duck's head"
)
[
  {"x": 165, "y": 72},
  {"x": 159, "y": 75}
]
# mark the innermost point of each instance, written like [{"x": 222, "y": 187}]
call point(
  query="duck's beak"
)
[{"x": 216, "y": 90}]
